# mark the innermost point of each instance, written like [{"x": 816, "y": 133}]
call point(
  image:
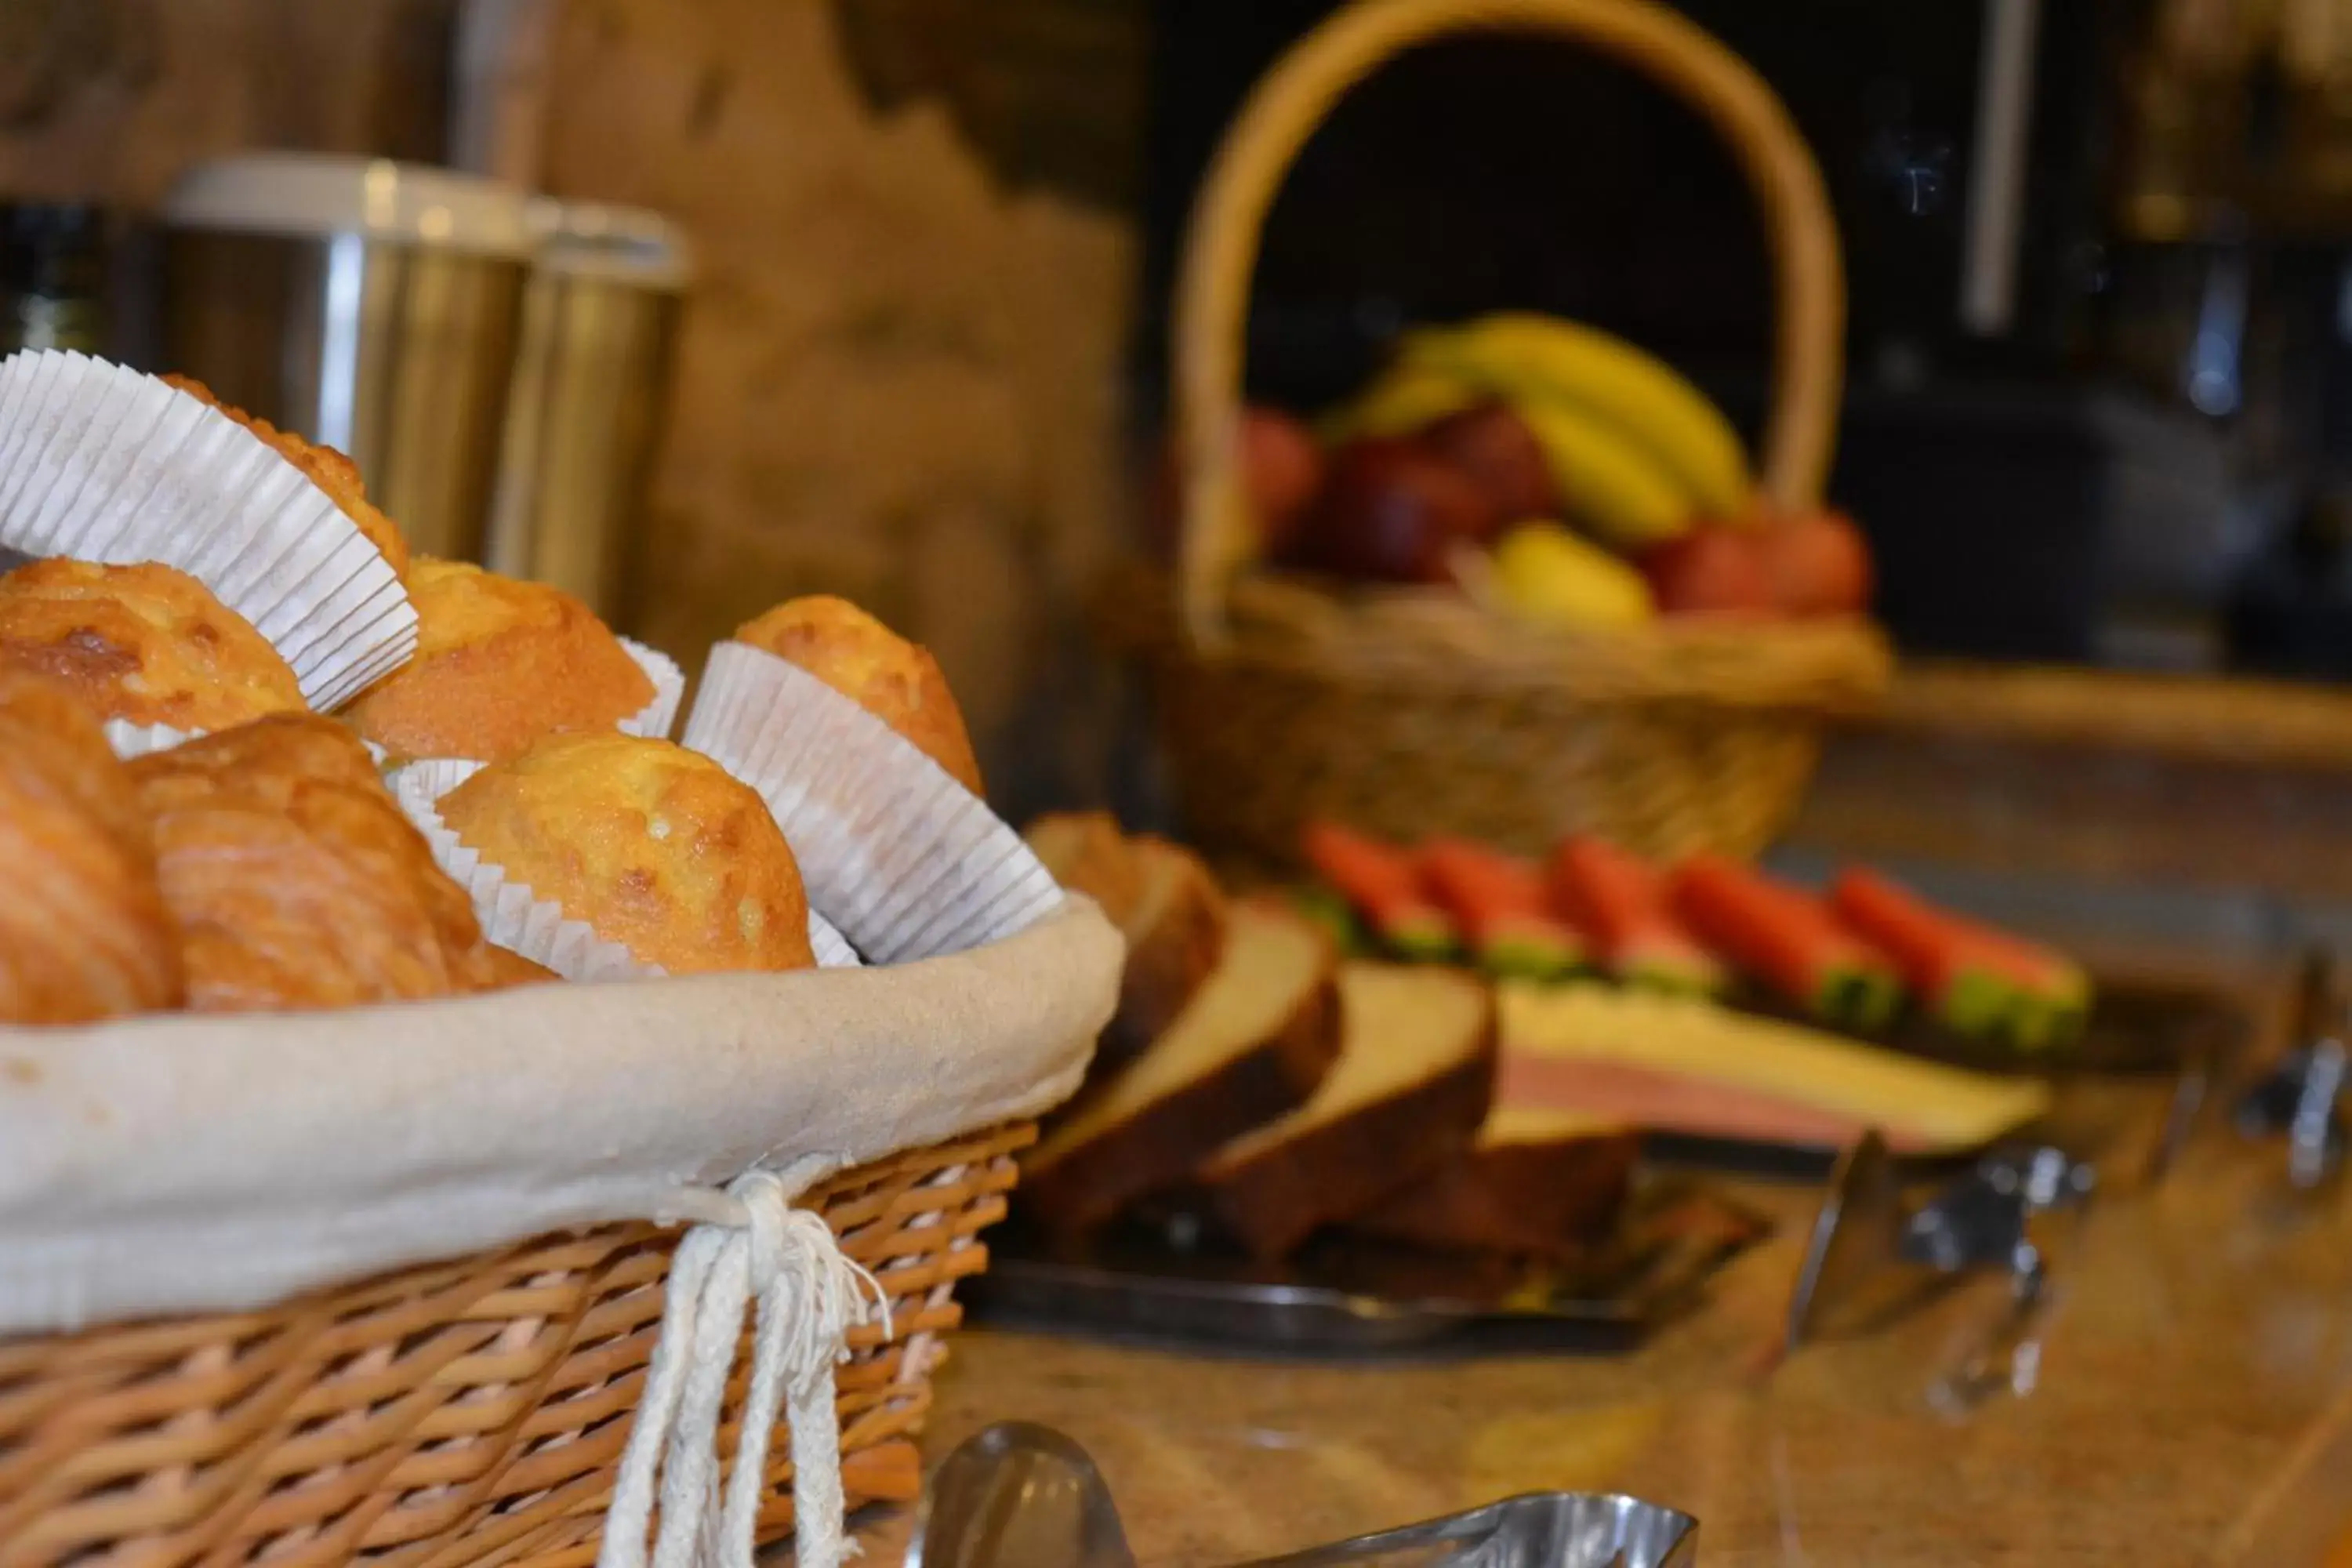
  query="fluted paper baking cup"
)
[
  {"x": 131, "y": 740},
  {"x": 511, "y": 915},
  {"x": 905, "y": 860},
  {"x": 832, "y": 949},
  {"x": 102, "y": 463},
  {"x": 655, "y": 719}
]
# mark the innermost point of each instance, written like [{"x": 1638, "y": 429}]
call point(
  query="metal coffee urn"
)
[
  {"x": 370, "y": 305},
  {"x": 592, "y": 377}
]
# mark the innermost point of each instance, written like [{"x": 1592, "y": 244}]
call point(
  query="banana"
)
[
  {"x": 1522, "y": 356},
  {"x": 1615, "y": 488},
  {"x": 1402, "y": 400}
]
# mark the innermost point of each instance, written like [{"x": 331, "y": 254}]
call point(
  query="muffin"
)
[
  {"x": 145, "y": 644},
  {"x": 294, "y": 881},
  {"x": 323, "y": 466},
  {"x": 866, "y": 661},
  {"x": 500, "y": 663},
  {"x": 510, "y": 969},
  {"x": 655, "y": 847},
  {"x": 83, "y": 932}
]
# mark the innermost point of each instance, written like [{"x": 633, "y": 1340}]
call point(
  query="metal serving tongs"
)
[
  {"x": 1024, "y": 1496},
  {"x": 1870, "y": 1254},
  {"x": 2299, "y": 1097}
]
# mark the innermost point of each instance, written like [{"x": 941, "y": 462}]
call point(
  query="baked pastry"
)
[
  {"x": 1253, "y": 1046},
  {"x": 1163, "y": 901},
  {"x": 143, "y": 643},
  {"x": 293, "y": 879},
  {"x": 83, "y": 934},
  {"x": 874, "y": 667},
  {"x": 510, "y": 969},
  {"x": 500, "y": 663},
  {"x": 656, "y": 847},
  {"x": 1413, "y": 1084},
  {"x": 324, "y": 466}
]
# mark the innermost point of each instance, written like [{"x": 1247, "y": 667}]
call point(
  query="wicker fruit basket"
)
[
  {"x": 1412, "y": 714},
  {"x": 477, "y": 1410}
]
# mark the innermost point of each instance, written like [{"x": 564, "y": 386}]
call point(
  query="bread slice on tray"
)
[
  {"x": 1163, "y": 901},
  {"x": 1538, "y": 1181},
  {"x": 1414, "y": 1079},
  {"x": 1253, "y": 1044}
]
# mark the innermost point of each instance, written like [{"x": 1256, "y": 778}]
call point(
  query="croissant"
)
[{"x": 83, "y": 932}]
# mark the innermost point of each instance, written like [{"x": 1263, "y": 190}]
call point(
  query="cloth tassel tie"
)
[{"x": 809, "y": 1297}]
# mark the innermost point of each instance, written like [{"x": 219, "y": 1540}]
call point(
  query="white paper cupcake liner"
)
[
  {"x": 655, "y": 719},
  {"x": 102, "y": 463},
  {"x": 131, "y": 740},
  {"x": 511, "y": 916},
  {"x": 832, "y": 949},
  {"x": 905, "y": 860}
]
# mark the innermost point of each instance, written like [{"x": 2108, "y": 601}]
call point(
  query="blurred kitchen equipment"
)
[
  {"x": 1018, "y": 1495},
  {"x": 370, "y": 305},
  {"x": 591, "y": 372},
  {"x": 53, "y": 263},
  {"x": 1869, "y": 1248}
]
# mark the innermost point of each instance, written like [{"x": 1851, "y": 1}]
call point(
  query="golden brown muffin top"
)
[
  {"x": 510, "y": 969},
  {"x": 500, "y": 663},
  {"x": 897, "y": 681},
  {"x": 83, "y": 935},
  {"x": 324, "y": 466},
  {"x": 656, "y": 847},
  {"x": 144, "y": 643},
  {"x": 294, "y": 879}
]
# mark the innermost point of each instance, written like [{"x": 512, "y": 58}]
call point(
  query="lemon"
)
[{"x": 1545, "y": 574}]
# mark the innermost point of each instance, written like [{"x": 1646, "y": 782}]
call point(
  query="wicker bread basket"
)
[
  {"x": 386, "y": 1285},
  {"x": 1411, "y": 714},
  {"x": 469, "y": 1413}
]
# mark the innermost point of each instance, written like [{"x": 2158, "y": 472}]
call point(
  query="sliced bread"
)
[
  {"x": 1086, "y": 853},
  {"x": 1164, "y": 902},
  {"x": 1253, "y": 1044},
  {"x": 1537, "y": 1183},
  {"x": 1415, "y": 1075}
]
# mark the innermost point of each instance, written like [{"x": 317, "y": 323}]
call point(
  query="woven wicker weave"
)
[
  {"x": 468, "y": 1412},
  {"x": 1412, "y": 718}
]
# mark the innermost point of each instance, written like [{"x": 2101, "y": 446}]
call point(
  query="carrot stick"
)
[{"x": 1497, "y": 901}]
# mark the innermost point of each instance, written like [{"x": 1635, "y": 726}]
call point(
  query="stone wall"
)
[
  {"x": 899, "y": 374},
  {"x": 900, "y": 377}
]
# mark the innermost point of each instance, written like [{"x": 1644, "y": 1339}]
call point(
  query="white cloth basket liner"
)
[{"x": 186, "y": 1164}]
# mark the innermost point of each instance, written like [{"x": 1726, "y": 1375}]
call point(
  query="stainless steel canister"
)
[
  {"x": 583, "y": 414},
  {"x": 370, "y": 305}
]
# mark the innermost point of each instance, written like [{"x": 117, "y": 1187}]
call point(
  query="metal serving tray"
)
[{"x": 1165, "y": 1279}]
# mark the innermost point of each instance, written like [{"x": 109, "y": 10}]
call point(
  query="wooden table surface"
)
[{"x": 2193, "y": 1404}]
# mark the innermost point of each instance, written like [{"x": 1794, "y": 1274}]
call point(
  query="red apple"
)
[
  {"x": 1501, "y": 454},
  {"x": 1282, "y": 473},
  {"x": 1392, "y": 511},
  {"x": 1818, "y": 564},
  {"x": 1711, "y": 570}
]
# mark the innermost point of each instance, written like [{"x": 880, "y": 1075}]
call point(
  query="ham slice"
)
[
  {"x": 1682, "y": 1065},
  {"x": 1661, "y": 1101}
]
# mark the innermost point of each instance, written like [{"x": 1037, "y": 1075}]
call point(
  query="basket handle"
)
[{"x": 1292, "y": 100}]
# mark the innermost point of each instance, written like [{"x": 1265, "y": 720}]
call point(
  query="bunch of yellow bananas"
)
[{"x": 1640, "y": 454}]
